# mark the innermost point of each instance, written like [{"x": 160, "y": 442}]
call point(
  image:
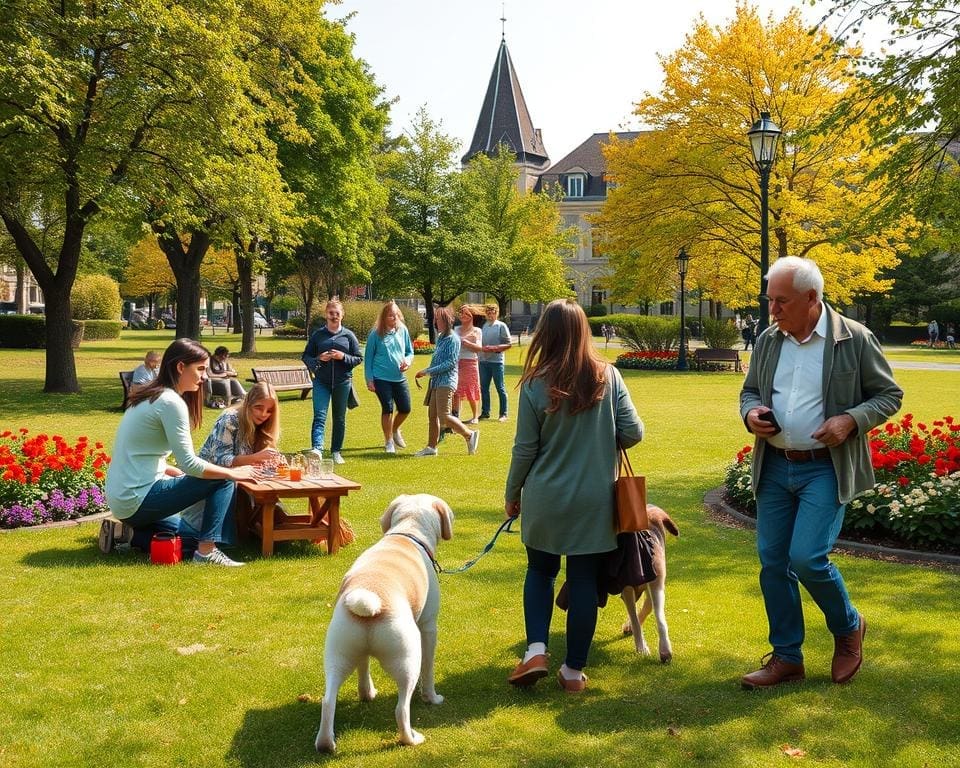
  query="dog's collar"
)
[{"x": 424, "y": 547}]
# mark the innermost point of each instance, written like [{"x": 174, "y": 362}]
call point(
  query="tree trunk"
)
[
  {"x": 428, "y": 301},
  {"x": 248, "y": 343},
  {"x": 185, "y": 264},
  {"x": 20, "y": 295},
  {"x": 61, "y": 369}
]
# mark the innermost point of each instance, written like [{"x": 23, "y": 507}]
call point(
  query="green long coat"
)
[{"x": 564, "y": 467}]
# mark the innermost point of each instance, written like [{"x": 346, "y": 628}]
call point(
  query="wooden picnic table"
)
[{"x": 322, "y": 523}]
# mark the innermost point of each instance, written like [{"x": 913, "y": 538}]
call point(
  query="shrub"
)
[
  {"x": 644, "y": 333},
  {"x": 30, "y": 331},
  {"x": 916, "y": 500},
  {"x": 720, "y": 334},
  {"x": 290, "y": 331},
  {"x": 101, "y": 330},
  {"x": 596, "y": 310},
  {"x": 95, "y": 297}
]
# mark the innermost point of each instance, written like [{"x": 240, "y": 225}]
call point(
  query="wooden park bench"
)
[
  {"x": 701, "y": 356},
  {"x": 126, "y": 379},
  {"x": 286, "y": 377}
]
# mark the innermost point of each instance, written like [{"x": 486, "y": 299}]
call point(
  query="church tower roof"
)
[{"x": 505, "y": 119}]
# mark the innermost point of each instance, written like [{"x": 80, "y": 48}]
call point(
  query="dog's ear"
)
[
  {"x": 386, "y": 519},
  {"x": 446, "y": 518}
]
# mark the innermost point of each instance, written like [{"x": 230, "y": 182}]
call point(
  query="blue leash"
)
[{"x": 504, "y": 526}]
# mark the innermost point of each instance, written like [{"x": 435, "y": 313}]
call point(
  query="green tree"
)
[
  {"x": 519, "y": 235},
  {"x": 101, "y": 110},
  {"x": 430, "y": 248}
]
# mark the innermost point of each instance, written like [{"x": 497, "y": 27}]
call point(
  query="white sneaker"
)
[
  {"x": 337, "y": 458},
  {"x": 472, "y": 442},
  {"x": 428, "y": 451},
  {"x": 315, "y": 452},
  {"x": 389, "y": 447},
  {"x": 398, "y": 440},
  {"x": 215, "y": 557}
]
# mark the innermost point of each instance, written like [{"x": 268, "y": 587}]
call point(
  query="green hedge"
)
[
  {"x": 720, "y": 334},
  {"x": 30, "y": 331},
  {"x": 101, "y": 330}
]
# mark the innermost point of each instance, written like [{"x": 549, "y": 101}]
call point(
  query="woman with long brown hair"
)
[
  {"x": 388, "y": 355},
  {"x": 145, "y": 492},
  {"x": 573, "y": 411}
]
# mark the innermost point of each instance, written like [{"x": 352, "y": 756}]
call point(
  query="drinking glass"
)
[{"x": 326, "y": 469}]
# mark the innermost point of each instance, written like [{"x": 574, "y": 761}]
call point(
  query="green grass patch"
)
[{"x": 93, "y": 669}]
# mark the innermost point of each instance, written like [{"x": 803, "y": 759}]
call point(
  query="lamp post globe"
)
[
  {"x": 682, "y": 260},
  {"x": 763, "y": 141}
]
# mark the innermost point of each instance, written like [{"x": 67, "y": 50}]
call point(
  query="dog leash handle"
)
[{"x": 504, "y": 526}]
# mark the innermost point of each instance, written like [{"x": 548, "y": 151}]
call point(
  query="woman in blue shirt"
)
[
  {"x": 443, "y": 383},
  {"x": 331, "y": 354},
  {"x": 388, "y": 354}
]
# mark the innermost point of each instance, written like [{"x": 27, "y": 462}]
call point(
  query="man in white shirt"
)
[{"x": 817, "y": 384}]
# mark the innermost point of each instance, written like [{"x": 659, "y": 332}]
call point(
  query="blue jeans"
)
[
  {"x": 178, "y": 493},
  {"x": 492, "y": 372},
  {"x": 798, "y": 520},
  {"x": 322, "y": 395},
  {"x": 582, "y": 572}
]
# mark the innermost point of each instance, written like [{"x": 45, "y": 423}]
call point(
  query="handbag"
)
[
  {"x": 352, "y": 401},
  {"x": 630, "y": 498}
]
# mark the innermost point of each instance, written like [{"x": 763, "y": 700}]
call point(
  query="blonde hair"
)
[
  {"x": 265, "y": 435},
  {"x": 333, "y": 303},
  {"x": 562, "y": 354},
  {"x": 381, "y": 325}
]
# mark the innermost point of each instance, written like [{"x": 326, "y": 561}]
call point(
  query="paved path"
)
[{"x": 925, "y": 366}]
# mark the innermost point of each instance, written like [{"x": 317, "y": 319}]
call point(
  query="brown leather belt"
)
[{"x": 813, "y": 454}]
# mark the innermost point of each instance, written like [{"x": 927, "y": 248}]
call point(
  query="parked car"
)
[
  {"x": 259, "y": 321},
  {"x": 169, "y": 321}
]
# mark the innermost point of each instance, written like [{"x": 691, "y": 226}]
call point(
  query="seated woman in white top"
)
[{"x": 142, "y": 489}]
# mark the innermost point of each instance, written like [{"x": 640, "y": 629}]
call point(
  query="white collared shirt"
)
[{"x": 798, "y": 389}]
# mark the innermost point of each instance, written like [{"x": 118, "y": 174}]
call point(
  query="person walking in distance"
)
[
  {"x": 817, "y": 384},
  {"x": 496, "y": 340}
]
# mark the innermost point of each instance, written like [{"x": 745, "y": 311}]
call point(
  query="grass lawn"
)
[{"x": 111, "y": 661}]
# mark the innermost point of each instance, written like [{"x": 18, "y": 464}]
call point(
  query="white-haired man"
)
[{"x": 817, "y": 383}]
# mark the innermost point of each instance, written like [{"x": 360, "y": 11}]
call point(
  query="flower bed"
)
[
  {"x": 421, "y": 347},
  {"x": 916, "y": 501},
  {"x": 647, "y": 360},
  {"x": 44, "y": 479}
]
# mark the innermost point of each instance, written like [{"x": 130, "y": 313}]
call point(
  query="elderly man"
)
[
  {"x": 146, "y": 372},
  {"x": 818, "y": 382}
]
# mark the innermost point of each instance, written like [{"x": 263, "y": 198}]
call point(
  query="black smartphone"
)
[{"x": 768, "y": 416}]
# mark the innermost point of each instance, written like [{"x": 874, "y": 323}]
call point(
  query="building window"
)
[
  {"x": 598, "y": 295},
  {"x": 666, "y": 308},
  {"x": 575, "y": 185},
  {"x": 595, "y": 244}
]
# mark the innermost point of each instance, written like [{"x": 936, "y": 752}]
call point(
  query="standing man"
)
[
  {"x": 495, "y": 340},
  {"x": 817, "y": 384},
  {"x": 933, "y": 332}
]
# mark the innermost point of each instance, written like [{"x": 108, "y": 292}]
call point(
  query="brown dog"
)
[{"x": 660, "y": 522}]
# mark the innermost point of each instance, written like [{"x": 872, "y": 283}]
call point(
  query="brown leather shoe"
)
[
  {"x": 848, "y": 654},
  {"x": 572, "y": 686},
  {"x": 527, "y": 673},
  {"x": 772, "y": 672}
]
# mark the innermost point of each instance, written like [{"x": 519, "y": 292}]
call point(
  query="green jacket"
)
[
  {"x": 857, "y": 380},
  {"x": 564, "y": 467}
]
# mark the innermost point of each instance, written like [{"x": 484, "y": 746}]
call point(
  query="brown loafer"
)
[
  {"x": 572, "y": 686},
  {"x": 527, "y": 673},
  {"x": 848, "y": 654},
  {"x": 773, "y": 672}
]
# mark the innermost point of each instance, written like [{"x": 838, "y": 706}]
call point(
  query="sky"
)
[{"x": 581, "y": 65}]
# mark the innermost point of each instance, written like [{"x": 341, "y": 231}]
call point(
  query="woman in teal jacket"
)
[
  {"x": 573, "y": 411},
  {"x": 388, "y": 355}
]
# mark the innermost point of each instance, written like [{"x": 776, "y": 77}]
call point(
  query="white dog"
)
[
  {"x": 653, "y": 591},
  {"x": 387, "y": 608}
]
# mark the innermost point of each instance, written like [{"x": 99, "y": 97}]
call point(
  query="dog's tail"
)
[
  {"x": 363, "y": 602},
  {"x": 663, "y": 518}
]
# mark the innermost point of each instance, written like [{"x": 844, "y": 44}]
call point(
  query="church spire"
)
[{"x": 505, "y": 119}]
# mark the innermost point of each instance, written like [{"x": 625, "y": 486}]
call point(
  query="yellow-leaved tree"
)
[{"x": 690, "y": 181}]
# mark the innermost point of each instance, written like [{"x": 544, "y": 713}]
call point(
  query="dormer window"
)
[{"x": 575, "y": 184}]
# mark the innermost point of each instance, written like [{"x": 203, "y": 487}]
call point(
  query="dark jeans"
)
[
  {"x": 178, "y": 493},
  {"x": 326, "y": 397},
  {"x": 582, "y": 571},
  {"x": 492, "y": 372}
]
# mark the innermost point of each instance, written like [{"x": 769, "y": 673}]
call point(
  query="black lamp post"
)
[
  {"x": 682, "y": 261},
  {"x": 763, "y": 140}
]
